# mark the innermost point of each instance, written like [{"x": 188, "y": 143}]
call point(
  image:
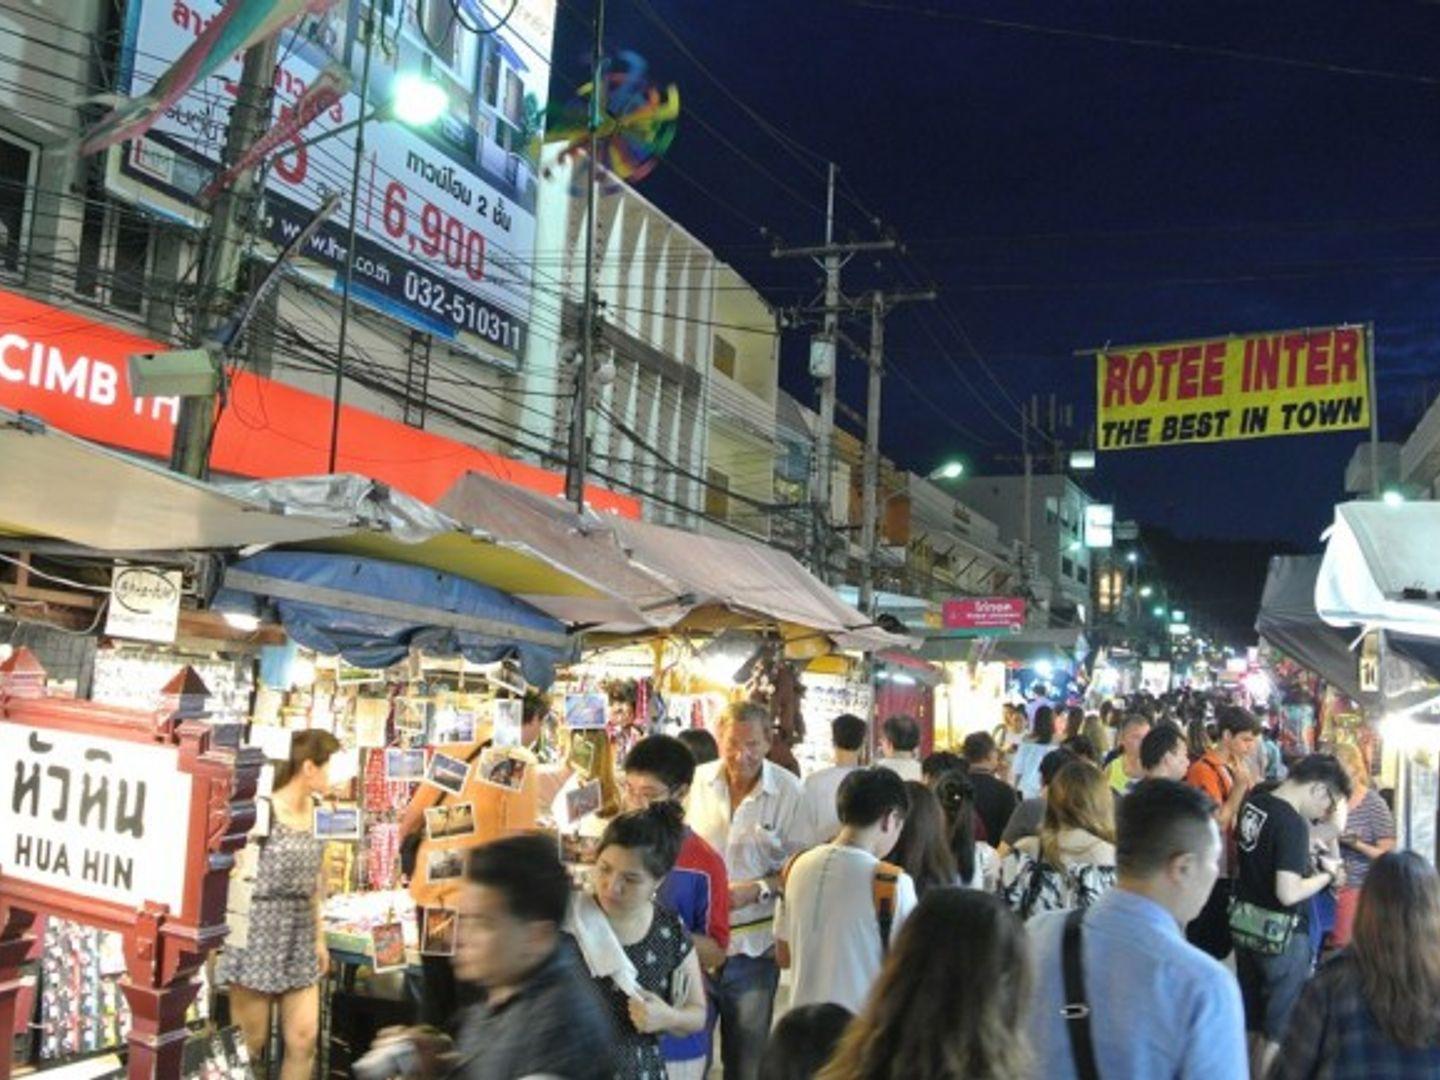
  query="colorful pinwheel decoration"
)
[{"x": 637, "y": 124}]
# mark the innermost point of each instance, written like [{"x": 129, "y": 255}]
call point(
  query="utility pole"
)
[
  {"x": 576, "y": 461},
  {"x": 823, "y": 353},
  {"x": 195, "y": 425},
  {"x": 880, "y": 303},
  {"x": 347, "y": 282}
]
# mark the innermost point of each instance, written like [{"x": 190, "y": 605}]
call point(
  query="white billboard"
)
[
  {"x": 1099, "y": 525},
  {"x": 445, "y": 216}
]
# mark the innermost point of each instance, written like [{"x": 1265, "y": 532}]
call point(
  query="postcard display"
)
[
  {"x": 826, "y": 697},
  {"x": 389, "y": 725}
]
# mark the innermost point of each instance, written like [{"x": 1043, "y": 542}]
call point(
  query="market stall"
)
[{"x": 1380, "y": 577}]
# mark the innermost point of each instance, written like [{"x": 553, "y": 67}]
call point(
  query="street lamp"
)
[
  {"x": 1158, "y": 611},
  {"x": 1132, "y": 557},
  {"x": 1393, "y": 497},
  {"x": 408, "y": 100},
  {"x": 951, "y": 470},
  {"x": 1146, "y": 592}
]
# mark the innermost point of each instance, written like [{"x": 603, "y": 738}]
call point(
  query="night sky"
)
[{"x": 1117, "y": 172}]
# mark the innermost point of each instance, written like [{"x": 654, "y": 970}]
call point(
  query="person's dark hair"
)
[
  {"x": 1133, "y": 720},
  {"x": 312, "y": 744},
  {"x": 1396, "y": 947},
  {"x": 656, "y": 832},
  {"x": 1322, "y": 769},
  {"x": 1082, "y": 747},
  {"x": 535, "y": 706},
  {"x": 956, "y": 795},
  {"x": 527, "y": 871},
  {"x": 1074, "y": 717},
  {"x": 664, "y": 757},
  {"x": 1107, "y": 709},
  {"x": 701, "y": 744},
  {"x": 939, "y": 763},
  {"x": 902, "y": 732},
  {"x": 950, "y": 1000},
  {"x": 1198, "y": 739},
  {"x": 922, "y": 851},
  {"x": 1044, "y": 729},
  {"x": 1158, "y": 744},
  {"x": 867, "y": 795},
  {"x": 979, "y": 746},
  {"x": 1053, "y": 762},
  {"x": 1158, "y": 820},
  {"x": 1236, "y": 721},
  {"x": 847, "y": 732},
  {"x": 803, "y": 1041}
]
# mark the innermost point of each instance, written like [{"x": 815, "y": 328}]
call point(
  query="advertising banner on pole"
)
[
  {"x": 445, "y": 214},
  {"x": 1249, "y": 386}
]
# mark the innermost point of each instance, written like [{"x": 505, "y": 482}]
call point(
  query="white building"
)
[{"x": 694, "y": 352}]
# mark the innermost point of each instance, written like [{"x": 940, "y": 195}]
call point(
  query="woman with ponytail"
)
[
  {"x": 976, "y": 863},
  {"x": 283, "y": 955},
  {"x": 636, "y": 851}
]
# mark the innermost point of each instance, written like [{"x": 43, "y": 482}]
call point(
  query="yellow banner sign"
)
[{"x": 1285, "y": 382}]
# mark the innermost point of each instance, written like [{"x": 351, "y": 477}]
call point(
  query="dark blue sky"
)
[{"x": 1091, "y": 172}]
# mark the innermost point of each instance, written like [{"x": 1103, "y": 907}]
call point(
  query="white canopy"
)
[{"x": 1381, "y": 568}]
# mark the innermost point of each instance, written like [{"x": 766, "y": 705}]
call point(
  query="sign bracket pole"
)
[{"x": 1374, "y": 410}]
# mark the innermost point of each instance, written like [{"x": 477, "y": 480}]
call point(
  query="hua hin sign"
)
[
  {"x": 102, "y": 818},
  {"x": 126, "y": 820}
]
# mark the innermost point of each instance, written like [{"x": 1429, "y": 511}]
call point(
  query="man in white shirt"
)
[
  {"x": 745, "y": 808},
  {"x": 900, "y": 744},
  {"x": 818, "y": 821},
  {"x": 828, "y": 928}
]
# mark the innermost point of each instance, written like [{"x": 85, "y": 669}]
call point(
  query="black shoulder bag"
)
[{"x": 1076, "y": 1009}]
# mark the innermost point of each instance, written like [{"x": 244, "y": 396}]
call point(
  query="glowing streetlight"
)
[
  {"x": 418, "y": 100},
  {"x": 951, "y": 470},
  {"x": 1146, "y": 592},
  {"x": 1393, "y": 497}
]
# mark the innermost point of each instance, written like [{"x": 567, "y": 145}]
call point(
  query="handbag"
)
[{"x": 1259, "y": 929}]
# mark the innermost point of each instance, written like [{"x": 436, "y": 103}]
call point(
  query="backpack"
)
[
  {"x": 1030, "y": 886},
  {"x": 884, "y": 885}
]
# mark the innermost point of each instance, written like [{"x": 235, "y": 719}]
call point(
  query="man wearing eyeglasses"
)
[
  {"x": 1268, "y": 919},
  {"x": 661, "y": 769}
]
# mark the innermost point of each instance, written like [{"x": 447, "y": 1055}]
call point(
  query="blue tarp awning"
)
[{"x": 372, "y": 612}]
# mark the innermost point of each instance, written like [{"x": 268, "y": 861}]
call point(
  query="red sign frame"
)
[{"x": 163, "y": 948}]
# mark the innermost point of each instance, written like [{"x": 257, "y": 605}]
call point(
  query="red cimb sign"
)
[
  {"x": 984, "y": 613},
  {"x": 71, "y": 371}
]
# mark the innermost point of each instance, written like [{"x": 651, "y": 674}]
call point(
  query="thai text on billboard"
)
[
  {"x": 445, "y": 215},
  {"x": 1251, "y": 386},
  {"x": 984, "y": 613}
]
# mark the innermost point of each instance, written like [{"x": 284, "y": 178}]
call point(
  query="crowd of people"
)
[{"x": 1073, "y": 895}]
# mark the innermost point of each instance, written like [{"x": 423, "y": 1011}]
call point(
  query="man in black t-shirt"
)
[
  {"x": 1272, "y": 834},
  {"x": 995, "y": 800}
]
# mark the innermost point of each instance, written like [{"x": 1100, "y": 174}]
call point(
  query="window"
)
[
  {"x": 132, "y": 245},
  {"x": 490, "y": 77},
  {"x": 1067, "y": 567},
  {"x": 717, "y": 494},
  {"x": 16, "y": 180},
  {"x": 1052, "y": 510},
  {"x": 724, "y": 354},
  {"x": 1082, "y": 575},
  {"x": 514, "y": 98}
]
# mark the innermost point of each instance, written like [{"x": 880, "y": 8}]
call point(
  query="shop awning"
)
[
  {"x": 489, "y": 542},
  {"x": 750, "y": 579},
  {"x": 670, "y": 579},
  {"x": 372, "y": 613},
  {"x": 580, "y": 546},
  {"x": 912, "y": 666},
  {"x": 54, "y": 486},
  {"x": 1381, "y": 568},
  {"x": 1289, "y": 621}
]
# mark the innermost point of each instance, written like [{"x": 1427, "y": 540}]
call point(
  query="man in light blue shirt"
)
[{"x": 1159, "y": 1007}]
